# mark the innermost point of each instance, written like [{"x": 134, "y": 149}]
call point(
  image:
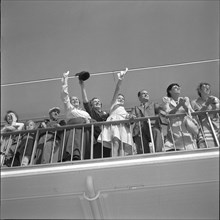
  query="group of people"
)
[{"x": 184, "y": 131}]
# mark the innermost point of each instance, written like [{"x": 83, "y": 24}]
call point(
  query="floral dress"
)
[
  {"x": 197, "y": 105},
  {"x": 177, "y": 134}
]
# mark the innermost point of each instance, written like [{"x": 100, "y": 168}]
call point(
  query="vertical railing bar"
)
[
  {"x": 201, "y": 129},
  {"x": 8, "y": 145},
  {"x": 73, "y": 144},
  {"x": 102, "y": 126},
  {"x": 92, "y": 140},
  {"x": 111, "y": 142},
  {"x": 52, "y": 153},
  {"x": 213, "y": 130},
  {"x": 151, "y": 135},
  {"x": 82, "y": 143},
  {"x": 34, "y": 148},
  {"x": 132, "y": 146},
  {"x": 121, "y": 142},
  {"x": 62, "y": 149},
  {"x": 142, "y": 144},
  {"x": 181, "y": 131},
  {"x": 3, "y": 149},
  {"x": 162, "y": 134},
  {"x": 25, "y": 146},
  {"x": 19, "y": 136},
  {"x": 171, "y": 132}
]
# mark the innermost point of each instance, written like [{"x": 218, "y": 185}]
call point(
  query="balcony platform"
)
[{"x": 166, "y": 185}]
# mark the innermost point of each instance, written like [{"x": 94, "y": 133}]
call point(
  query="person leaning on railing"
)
[
  {"x": 49, "y": 144},
  {"x": 205, "y": 102},
  {"x": 25, "y": 147},
  {"x": 118, "y": 137},
  {"x": 8, "y": 145},
  {"x": 94, "y": 108},
  {"x": 74, "y": 115},
  {"x": 147, "y": 108},
  {"x": 178, "y": 136}
]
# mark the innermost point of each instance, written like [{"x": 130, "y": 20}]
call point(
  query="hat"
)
[
  {"x": 54, "y": 109},
  {"x": 83, "y": 75}
]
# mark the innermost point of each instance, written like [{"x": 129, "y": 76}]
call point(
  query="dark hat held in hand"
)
[{"x": 83, "y": 75}]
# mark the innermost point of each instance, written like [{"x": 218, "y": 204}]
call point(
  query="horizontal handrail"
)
[
  {"x": 79, "y": 141},
  {"x": 133, "y": 120}
]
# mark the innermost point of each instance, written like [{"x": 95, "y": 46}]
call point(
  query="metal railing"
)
[{"x": 80, "y": 142}]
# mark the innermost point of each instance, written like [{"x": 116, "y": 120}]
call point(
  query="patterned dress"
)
[
  {"x": 197, "y": 105},
  {"x": 177, "y": 134}
]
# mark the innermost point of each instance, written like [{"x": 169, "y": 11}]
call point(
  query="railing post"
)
[
  {"x": 151, "y": 135},
  {"x": 34, "y": 148},
  {"x": 213, "y": 130}
]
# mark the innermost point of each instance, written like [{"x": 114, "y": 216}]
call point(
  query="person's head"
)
[
  {"x": 11, "y": 117},
  {"x": 75, "y": 101},
  {"x": 120, "y": 99},
  {"x": 30, "y": 125},
  {"x": 96, "y": 103},
  {"x": 54, "y": 113},
  {"x": 173, "y": 89},
  {"x": 204, "y": 88},
  {"x": 143, "y": 96}
]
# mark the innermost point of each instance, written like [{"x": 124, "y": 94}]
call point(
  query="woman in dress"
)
[
  {"x": 178, "y": 136},
  {"x": 210, "y": 122},
  {"x": 8, "y": 145},
  {"x": 117, "y": 137},
  {"x": 74, "y": 115}
]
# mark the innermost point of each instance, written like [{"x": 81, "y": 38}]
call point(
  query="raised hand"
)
[
  {"x": 66, "y": 74},
  {"x": 122, "y": 74},
  {"x": 65, "y": 77}
]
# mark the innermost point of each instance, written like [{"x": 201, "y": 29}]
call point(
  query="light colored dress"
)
[
  {"x": 197, "y": 105},
  {"x": 122, "y": 132},
  {"x": 176, "y": 129}
]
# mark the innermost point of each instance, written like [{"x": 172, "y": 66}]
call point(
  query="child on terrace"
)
[{"x": 27, "y": 143}]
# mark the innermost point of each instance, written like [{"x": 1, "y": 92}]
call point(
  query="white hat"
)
[{"x": 54, "y": 109}]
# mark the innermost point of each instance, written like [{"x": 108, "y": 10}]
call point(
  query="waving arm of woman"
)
[
  {"x": 64, "y": 92},
  {"x": 118, "y": 85}
]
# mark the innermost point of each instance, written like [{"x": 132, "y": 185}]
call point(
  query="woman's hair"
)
[
  {"x": 121, "y": 95},
  {"x": 27, "y": 123},
  {"x": 91, "y": 101},
  {"x": 75, "y": 97},
  {"x": 200, "y": 86},
  {"x": 170, "y": 87},
  {"x": 8, "y": 112}
]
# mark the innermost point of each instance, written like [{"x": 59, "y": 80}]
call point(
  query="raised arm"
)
[
  {"x": 83, "y": 90},
  {"x": 118, "y": 85},
  {"x": 64, "y": 91}
]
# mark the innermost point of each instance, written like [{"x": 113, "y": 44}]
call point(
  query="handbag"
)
[{"x": 191, "y": 125}]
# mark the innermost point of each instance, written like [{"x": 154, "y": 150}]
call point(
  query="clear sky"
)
[{"x": 43, "y": 39}]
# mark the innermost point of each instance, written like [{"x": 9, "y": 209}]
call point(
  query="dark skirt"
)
[{"x": 77, "y": 143}]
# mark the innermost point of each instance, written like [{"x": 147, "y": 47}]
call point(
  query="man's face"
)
[
  {"x": 144, "y": 96},
  {"x": 54, "y": 115},
  {"x": 205, "y": 89}
]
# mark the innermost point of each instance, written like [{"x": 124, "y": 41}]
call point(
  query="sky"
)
[{"x": 43, "y": 39}]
